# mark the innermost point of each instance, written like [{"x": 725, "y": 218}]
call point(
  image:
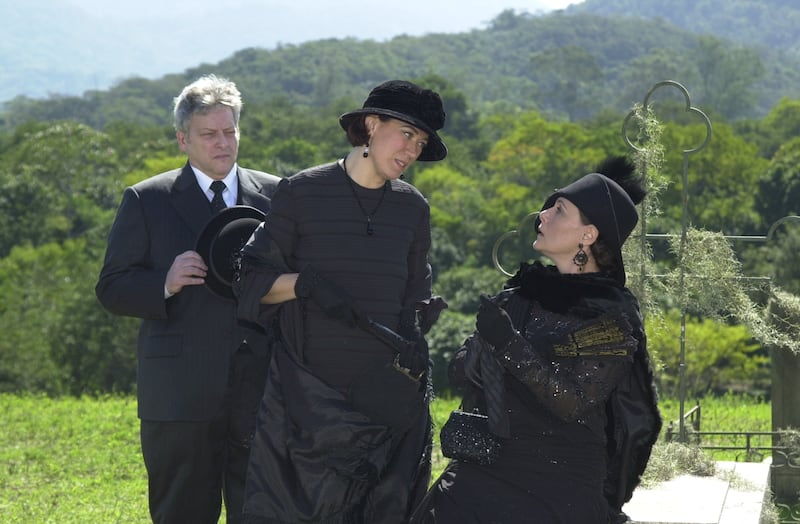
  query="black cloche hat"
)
[
  {"x": 220, "y": 242},
  {"x": 422, "y": 108}
]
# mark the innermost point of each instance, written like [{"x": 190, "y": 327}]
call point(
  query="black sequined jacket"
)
[{"x": 578, "y": 361}]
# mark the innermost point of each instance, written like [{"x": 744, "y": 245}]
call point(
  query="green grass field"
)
[
  {"x": 78, "y": 461},
  {"x": 71, "y": 461}
]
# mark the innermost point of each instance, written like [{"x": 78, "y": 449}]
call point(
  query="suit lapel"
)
[
  {"x": 249, "y": 192},
  {"x": 189, "y": 200}
]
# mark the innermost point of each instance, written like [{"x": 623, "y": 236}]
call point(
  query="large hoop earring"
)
[{"x": 581, "y": 258}]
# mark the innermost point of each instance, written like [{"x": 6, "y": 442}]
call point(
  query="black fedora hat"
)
[
  {"x": 422, "y": 108},
  {"x": 220, "y": 242}
]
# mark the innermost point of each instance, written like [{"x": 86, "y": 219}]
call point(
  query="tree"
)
[
  {"x": 727, "y": 77},
  {"x": 645, "y": 71},
  {"x": 781, "y": 125},
  {"x": 55, "y": 181},
  {"x": 778, "y": 192},
  {"x": 456, "y": 210},
  {"x": 567, "y": 76},
  {"x": 721, "y": 181},
  {"x": 444, "y": 340},
  {"x": 719, "y": 357},
  {"x": 56, "y": 337}
]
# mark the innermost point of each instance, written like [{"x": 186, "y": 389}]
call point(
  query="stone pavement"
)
[{"x": 735, "y": 495}]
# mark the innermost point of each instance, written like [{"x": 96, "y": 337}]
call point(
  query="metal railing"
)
[{"x": 755, "y": 445}]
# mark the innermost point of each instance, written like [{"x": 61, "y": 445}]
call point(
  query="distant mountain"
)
[
  {"x": 49, "y": 47},
  {"x": 573, "y": 64},
  {"x": 54, "y": 47},
  {"x": 765, "y": 23}
]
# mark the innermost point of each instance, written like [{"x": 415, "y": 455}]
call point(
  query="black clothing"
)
[
  {"x": 314, "y": 458},
  {"x": 580, "y": 344},
  {"x": 190, "y": 346}
]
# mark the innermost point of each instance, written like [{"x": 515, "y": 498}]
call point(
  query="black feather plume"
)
[{"x": 622, "y": 171}]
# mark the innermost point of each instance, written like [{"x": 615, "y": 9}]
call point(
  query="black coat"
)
[
  {"x": 185, "y": 342},
  {"x": 572, "y": 389},
  {"x": 633, "y": 419}
]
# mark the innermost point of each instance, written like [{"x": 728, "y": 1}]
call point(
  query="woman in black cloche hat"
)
[
  {"x": 344, "y": 429},
  {"x": 556, "y": 378}
]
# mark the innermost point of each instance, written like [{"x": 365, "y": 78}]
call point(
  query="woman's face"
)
[
  {"x": 394, "y": 145},
  {"x": 561, "y": 230}
]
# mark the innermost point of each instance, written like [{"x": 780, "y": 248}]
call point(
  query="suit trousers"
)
[{"x": 193, "y": 466}]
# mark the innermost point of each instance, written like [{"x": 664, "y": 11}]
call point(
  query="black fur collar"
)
[{"x": 569, "y": 293}]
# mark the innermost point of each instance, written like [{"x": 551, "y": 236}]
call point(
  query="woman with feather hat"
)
[{"x": 558, "y": 413}]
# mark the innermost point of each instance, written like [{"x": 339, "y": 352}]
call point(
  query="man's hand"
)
[{"x": 188, "y": 269}]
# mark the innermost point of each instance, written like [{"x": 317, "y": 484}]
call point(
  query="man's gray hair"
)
[{"x": 203, "y": 95}]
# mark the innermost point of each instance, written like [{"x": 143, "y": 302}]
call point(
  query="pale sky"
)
[
  {"x": 151, "y": 38},
  {"x": 267, "y": 22}
]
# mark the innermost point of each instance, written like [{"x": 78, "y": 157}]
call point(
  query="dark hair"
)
[
  {"x": 405, "y": 101},
  {"x": 603, "y": 254},
  {"x": 357, "y": 133}
]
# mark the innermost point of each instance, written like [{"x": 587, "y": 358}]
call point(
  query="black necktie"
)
[{"x": 217, "y": 203}]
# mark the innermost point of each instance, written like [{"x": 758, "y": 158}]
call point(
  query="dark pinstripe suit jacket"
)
[{"x": 185, "y": 342}]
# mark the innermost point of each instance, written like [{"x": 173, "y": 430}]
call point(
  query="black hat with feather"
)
[{"x": 607, "y": 198}]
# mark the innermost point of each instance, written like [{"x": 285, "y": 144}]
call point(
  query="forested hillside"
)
[
  {"x": 568, "y": 66},
  {"x": 532, "y": 103},
  {"x": 763, "y": 23}
]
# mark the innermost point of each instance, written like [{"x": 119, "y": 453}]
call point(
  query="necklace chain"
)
[{"x": 368, "y": 216}]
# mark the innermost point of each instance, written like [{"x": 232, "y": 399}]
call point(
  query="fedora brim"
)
[
  {"x": 435, "y": 150},
  {"x": 220, "y": 242}
]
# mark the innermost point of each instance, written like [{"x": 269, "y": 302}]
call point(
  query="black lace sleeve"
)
[{"x": 571, "y": 366}]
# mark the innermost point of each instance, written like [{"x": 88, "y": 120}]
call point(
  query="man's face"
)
[{"x": 212, "y": 142}]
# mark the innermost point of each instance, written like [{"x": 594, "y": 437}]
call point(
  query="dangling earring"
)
[
  {"x": 365, "y": 154},
  {"x": 581, "y": 258}
]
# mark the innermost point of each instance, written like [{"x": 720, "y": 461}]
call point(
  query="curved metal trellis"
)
[
  {"x": 783, "y": 456},
  {"x": 529, "y": 220},
  {"x": 684, "y": 224},
  {"x": 530, "y": 217}
]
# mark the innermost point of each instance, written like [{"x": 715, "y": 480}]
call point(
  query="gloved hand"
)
[
  {"x": 415, "y": 357},
  {"x": 334, "y": 300},
  {"x": 494, "y": 324}
]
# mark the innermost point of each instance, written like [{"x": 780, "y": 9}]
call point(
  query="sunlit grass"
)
[
  {"x": 71, "y": 461},
  {"x": 65, "y": 461}
]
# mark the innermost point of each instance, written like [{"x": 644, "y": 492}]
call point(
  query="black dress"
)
[
  {"x": 314, "y": 458},
  {"x": 574, "y": 452}
]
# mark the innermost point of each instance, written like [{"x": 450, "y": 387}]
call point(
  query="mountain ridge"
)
[{"x": 573, "y": 62}]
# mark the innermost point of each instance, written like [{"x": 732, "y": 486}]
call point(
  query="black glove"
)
[
  {"x": 494, "y": 324},
  {"x": 415, "y": 357},
  {"x": 334, "y": 300}
]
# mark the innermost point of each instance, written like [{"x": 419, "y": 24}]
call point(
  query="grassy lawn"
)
[
  {"x": 68, "y": 460},
  {"x": 71, "y": 461}
]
